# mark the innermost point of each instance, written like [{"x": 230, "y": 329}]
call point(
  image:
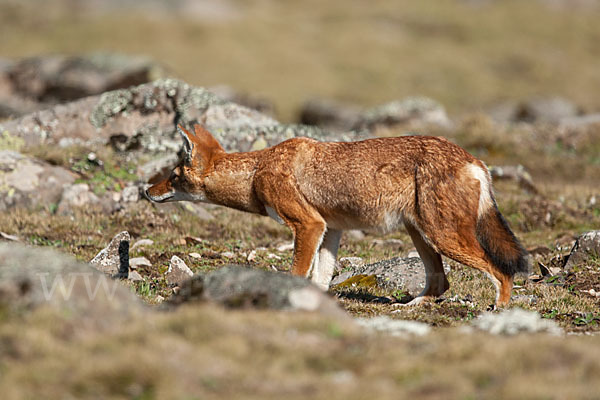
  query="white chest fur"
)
[{"x": 273, "y": 214}]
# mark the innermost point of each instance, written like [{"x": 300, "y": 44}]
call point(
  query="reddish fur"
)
[{"x": 376, "y": 183}]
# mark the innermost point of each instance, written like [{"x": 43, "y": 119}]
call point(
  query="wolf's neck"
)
[{"x": 230, "y": 183}]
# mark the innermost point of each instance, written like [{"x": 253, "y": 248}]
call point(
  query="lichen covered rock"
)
[{"x": 30, "y": 183}]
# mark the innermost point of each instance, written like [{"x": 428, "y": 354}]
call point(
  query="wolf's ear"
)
[
  {"x": 188, "y": 142},
  {"x": 208, "y": 141}
]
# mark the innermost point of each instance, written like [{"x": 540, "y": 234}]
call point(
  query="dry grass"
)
[{"x": 206, "y": 352}]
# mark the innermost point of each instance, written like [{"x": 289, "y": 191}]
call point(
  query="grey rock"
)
[
  {"x": 345, "y": 269},
  {"x": 242, "y": 139},
  {"x": 394, "y": 327},
  {"x": 113, "y": 260},
  {"x": 550, "y": 110},
  {"x": 234, "y": 116},
  {"x": 586, "y": 248},
  {"x": 146, "y": 111},
  {"x": 514, "y": 321},
  {"x": 341, "y": 277},
  {"x": 60, "y": 78},
  {"x": 259, "y": 104},
  {"x": 412, "y": 253},
  {"x": 351, "y": 263},
  {"x": 142, "y": 243},
  {"x": 329, "y": 114},
  {"x": 517, "y": 173},
  {"x": 31, "y": 277},
  {"x": 580, "y": 121},
  {"x": 138, "y": 262},
  {"x": 36, "y": 83},
  {"x": 158, "y": 169},
  {"x": 530, "y": 299},
  {"x": 178, "y": 271},
  {"x": 130, "y": 194},
  {"x": 134, "y": 276},
  {"x": 6, "y": 236},
  {"x": 143, "y": 117},
  {"x": 29, "y": 183},
  {"x": 421, "y": 110},
  {"x": 236, "y": 286},
  {"x": 76, "y": 196},
  {"x": 398, "y": 274}
]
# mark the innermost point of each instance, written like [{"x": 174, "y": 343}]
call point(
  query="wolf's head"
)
[{"x": 186, "y": 181}]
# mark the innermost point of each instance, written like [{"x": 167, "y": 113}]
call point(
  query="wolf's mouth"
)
[{"x": 160, "y": 198}]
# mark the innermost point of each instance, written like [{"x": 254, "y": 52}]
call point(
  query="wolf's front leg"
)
[
  {"x": 307, "y": 239},
  {"x": 325, "y": 262}
]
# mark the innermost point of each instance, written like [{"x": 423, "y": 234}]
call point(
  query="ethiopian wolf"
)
[{"x": 438, "y": 191}]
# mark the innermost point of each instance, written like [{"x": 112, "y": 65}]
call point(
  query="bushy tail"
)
[{"x": 500, "y": 244}]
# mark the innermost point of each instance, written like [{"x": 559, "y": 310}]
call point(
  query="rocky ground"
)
[{"x": 175, "y": 300}]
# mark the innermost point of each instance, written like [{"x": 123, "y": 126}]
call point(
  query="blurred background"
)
[{"x": 470, "y": 55}]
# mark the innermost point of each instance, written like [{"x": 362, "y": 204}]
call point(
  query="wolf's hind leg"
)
[
  {"x": 325, "y": 262},
  {"x": 436, "y": 282}
]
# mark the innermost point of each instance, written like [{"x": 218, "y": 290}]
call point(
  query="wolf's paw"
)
[{"x": 414, "y": 302}]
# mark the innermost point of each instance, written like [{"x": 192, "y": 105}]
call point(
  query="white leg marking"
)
[
  {"x": 273, "y": 214},
  {"x": 315, "y": 258},
  {"x": 496, "y": 283},
  {"x": 325, "y": 259},
  {"x": 485, "y": 196}
]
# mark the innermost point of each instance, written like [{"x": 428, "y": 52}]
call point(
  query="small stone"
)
[
  {"x": 134, "y": 276},
  {"x": 286, "y": 247},
  {"x": 525, "y": 298},
  {"x": 76, "y": 196},
  {"x": 114, "y": 258},
  {"x": 139, "y": 262},
  {"x": 178, "y": 271},
  {"x": 228, "y": 254},
  {"x": 413, "y": 254},
  {"x": 516, "y": 320},
  {"x": 130, "y": 194},
  {"x": 159, "y": 299},
  {"x": 193, "y": 239},
  {"x": 355, "y": 234},
  {"x": 272, "y": 256},
  {"x": 545, "y": 271},
  {"x": 555, "y": 270},
  {"x": 142, "y": 243},
  {"x": 115, "y": 197},
  {"x": 252, "y": 256},
  {"x": 351, "y": 262},
  {"x": 395, "y": 327},
  {"x": 586, "y": 247},
  {"x": 9, "y": 237},
  {"x": 195, "y": 255}
]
